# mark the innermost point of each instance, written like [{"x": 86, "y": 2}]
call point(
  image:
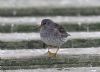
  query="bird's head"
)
[{"x": 46, "y": 23}]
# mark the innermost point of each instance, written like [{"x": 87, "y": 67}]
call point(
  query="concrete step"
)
[
  {"x": 16, "y": 37},
  {"x": 46, "y": 3},
  {"x": 59, "y": 19},
  {"x": 35, "y": 58},
  {"x": 71, "y": 69},
  {"x": 45, "y": 7},
  {"x": 74, "y": 43},
  {"x": 50, "y": 11}
]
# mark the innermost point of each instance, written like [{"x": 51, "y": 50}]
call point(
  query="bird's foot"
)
[{"x": 52, "y": 55}]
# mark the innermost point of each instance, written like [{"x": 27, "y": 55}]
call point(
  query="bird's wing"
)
[{"x": 59, "y": 29}]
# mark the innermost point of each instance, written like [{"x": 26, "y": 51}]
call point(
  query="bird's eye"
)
[{"x": 44, "y": 23}]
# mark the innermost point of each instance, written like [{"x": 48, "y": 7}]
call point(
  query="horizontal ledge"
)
[
  {"x": 71, "y": 11},
  {"x": 47, "y": 3},
  {"x": 59, "y": 19},
  {"x": 42, "y": 53},
  {"x": 64, "y": 69},
  {"x": 15, "y": 37},
  {"x": 19, "y": 36}
]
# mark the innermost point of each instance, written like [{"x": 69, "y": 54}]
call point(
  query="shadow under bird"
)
[{"x": 53, "y": 35}]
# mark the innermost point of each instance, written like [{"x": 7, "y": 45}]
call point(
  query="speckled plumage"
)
[{"x": 52, "y": 33}]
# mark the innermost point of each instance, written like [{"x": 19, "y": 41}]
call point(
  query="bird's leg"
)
[
  {"x": 50, "y": 54},
  {"x": 57, "y": 50},
  {"x": 48, "y": 49}
]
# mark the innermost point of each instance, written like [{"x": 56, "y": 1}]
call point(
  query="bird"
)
[{"x": 53, "y": 35}]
